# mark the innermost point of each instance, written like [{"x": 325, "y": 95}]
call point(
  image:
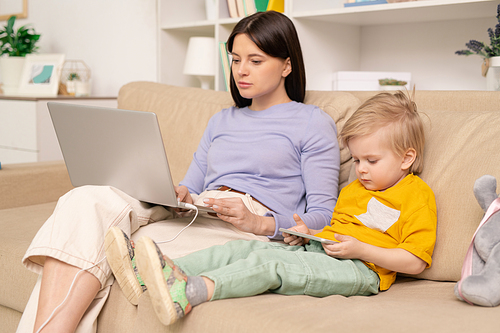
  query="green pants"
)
[{"x": 246, "y": 268}]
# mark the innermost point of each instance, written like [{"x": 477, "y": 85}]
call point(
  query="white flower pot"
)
[
  {"x": 493, "y": 75},
  {"x": 70, "y": 87},
  {"x": 82, "y": 88},
  {"x": 11, "y": 69},
  {"x": 392, "y": 88}
]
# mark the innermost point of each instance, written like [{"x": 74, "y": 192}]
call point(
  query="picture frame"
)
[
  {"x": 19, "y": 8},
  {"x": 41, "y": 75}
]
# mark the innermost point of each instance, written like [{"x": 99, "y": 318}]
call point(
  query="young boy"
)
[{"x": 384, "y": 222}]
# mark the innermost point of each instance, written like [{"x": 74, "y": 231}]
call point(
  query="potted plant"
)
[
  {"x": 71, "y": 82},
  {"x": 391, "y": 84},
  {"x": 489, "y": 53},
  {"x": 14, "y": 46}
]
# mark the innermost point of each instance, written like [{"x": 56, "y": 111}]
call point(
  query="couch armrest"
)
[{"x": 32, "y": 183}]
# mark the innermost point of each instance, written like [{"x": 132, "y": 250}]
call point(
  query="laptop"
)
[{"x": 113, "y": 147}]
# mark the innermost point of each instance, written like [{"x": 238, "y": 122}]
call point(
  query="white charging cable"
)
[
  {"x": 185, "y": 205},
  {"x": 67, "y": 295},
  {"x": 188, "y": 206}
]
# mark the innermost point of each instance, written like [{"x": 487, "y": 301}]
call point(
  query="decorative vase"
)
[
  {"x": 493, "y": 75},
  {"x": 11, "y": 69}
]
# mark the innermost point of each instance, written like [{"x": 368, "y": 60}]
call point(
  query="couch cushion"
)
[
  {"x": 9, "y": 319},
  {"x": 18, "y": 227},
  {"x": 461, "y": 147},
  {"x": 409, "y": 306},
  {"x": 33, "y": 183}
]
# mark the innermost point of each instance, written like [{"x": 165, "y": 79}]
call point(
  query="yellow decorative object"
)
[{"x": 276, "y": 5}]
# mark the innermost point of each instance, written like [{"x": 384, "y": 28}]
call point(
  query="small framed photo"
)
[{"x": 41, "y": 75}]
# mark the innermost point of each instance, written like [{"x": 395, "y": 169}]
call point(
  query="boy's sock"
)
[
  {"x": 171, "y": 291},
  {"x": 196, "y": 290}
]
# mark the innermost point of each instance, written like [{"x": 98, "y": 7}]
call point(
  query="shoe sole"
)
[
  {"x": 121, "y": 265},
  {"x": 151, "y": 271}
]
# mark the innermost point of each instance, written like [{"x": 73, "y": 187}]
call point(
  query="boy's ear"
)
[{"x": 408, "y": 159}]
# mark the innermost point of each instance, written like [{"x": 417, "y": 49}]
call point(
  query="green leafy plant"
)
[
  {"x": 73, "y": 76},
  {"x": 391, "y": 82},
  {"x": 18, "y": 43},
  {"x": 480, "y": 48}
]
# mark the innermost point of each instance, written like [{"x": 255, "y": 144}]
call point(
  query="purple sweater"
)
[{"x": 287, "y": 157}]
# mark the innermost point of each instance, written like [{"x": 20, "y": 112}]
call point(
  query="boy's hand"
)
[
  {"x": 347, "y": 248},
  {"x": 393, "y": 259},
  {"x": 301, "y": 227}
]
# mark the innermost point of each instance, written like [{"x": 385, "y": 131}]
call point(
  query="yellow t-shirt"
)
[{"x": 403, "y": 216}]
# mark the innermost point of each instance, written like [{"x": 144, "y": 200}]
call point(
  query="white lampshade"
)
[{"x": 200, "y": 59}]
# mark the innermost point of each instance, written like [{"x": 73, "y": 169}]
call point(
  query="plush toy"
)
[{"x": 480, "y": 282}]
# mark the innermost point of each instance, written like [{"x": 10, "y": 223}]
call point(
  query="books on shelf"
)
[
  {"x": 250, "y": 7},
  {"x": 356, "y": 3},
  {"x": 233, "y": 9},
  {"x": 240, "y": 5},
  {"x": 261, "y": 5},
  {"x": 242, "y": 8},
  {"x": 224, "y": 57}
]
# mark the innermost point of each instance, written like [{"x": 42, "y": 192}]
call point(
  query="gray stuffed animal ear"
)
[
  {"x": 482, "y": 287},
  {"x": 485, "y": 191}
]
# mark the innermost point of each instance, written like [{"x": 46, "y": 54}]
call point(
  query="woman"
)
[{"x": 257, "y": 164}]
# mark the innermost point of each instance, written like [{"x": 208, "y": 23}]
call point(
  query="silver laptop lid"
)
[{"x": 119, "y": 148}]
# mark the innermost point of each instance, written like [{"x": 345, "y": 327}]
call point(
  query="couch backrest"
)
[
  {"x": 462, "y": 145},
  {"x": 453, "y": 100},
  {"x": 183, "y": 114}
]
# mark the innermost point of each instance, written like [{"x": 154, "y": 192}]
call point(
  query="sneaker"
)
[
  {"x": 121, "y": 258},
  {"x": 166, "y": 282}
]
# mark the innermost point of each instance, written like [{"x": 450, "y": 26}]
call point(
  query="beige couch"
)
[{"x": 463, "y": 144}]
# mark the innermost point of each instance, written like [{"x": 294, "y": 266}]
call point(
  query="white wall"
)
[
  {"x": 115, "y": 38},
  {"x": 427, "y": 50}
]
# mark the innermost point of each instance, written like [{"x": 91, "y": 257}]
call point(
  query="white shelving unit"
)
[
  {"x": 394, "y": 13},
  {"x": 26, "y": 130},
  {"x": 416, "y": 36}
]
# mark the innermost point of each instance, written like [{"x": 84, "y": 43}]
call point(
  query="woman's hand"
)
[
  {"x": 183, "y": 195},
  {"x": 234, "y": 211},
  {"x": 300, "y": 227}
]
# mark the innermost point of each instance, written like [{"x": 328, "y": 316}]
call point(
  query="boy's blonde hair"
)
[{"x": 397, "y": 111}]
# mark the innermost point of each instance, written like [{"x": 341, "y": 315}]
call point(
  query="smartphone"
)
[{"x": 301, "y": 234}]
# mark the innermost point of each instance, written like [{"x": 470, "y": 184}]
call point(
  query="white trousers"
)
[{"x": 75, "y": 232}]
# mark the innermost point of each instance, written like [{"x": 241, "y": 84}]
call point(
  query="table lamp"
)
[{"x": 200, "y": 59}]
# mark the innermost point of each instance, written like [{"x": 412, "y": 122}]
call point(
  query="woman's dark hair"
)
[{"x": 274, "y": 34}]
